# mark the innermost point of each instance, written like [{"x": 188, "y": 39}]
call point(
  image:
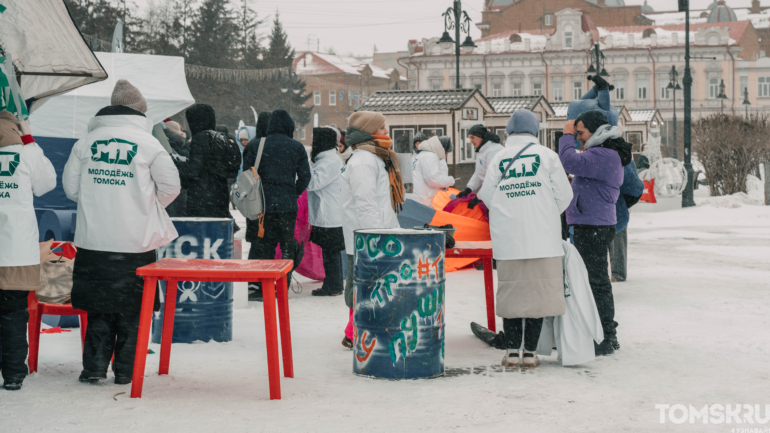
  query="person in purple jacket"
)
[{"x": 597, "y": 175}]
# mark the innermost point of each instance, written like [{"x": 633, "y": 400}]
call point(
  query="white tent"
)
[
  {"x": 161, "y": 80},
  {"x": 47, "y": 49}
]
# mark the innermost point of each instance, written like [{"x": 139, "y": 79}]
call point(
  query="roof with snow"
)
[
  {"x": 642, "y": 115},
  {"x": 560, "y": 109},
  {"x": 722, "y": 14},
  {"x": 759, "y": 21},
  {"x": 500, "y": 4},
  {"x": 310, "y": 63},
  {"x": 421, "y": 100},
  {"x": 509, "y": 104}
]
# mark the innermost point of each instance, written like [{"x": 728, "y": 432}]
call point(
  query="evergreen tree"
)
[
  {"x": 279, "y": 53},
  {"x": 213, "y": 35},
  {"x": 249, "y": 39}
]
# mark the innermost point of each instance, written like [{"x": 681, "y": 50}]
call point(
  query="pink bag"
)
[{"x": 312, "y": 265}]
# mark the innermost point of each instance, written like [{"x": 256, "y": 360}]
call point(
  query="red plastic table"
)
[
  {"x": 225, "y": 271},
  {"x": 479, "y": 250}
]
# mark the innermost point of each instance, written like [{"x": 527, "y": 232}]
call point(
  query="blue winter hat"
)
[{"x": 523, "y": 122}]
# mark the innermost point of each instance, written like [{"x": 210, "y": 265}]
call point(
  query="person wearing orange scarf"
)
[{"x": 372, "y": 189}]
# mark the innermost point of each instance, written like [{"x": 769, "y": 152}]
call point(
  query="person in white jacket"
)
[
  {"x": 24, "y": 172},
  {"x": 122, "y": 179},
  {"x": 324, "y": 207},
  {"x": 525, "y": 203},
  {"x": 427, "y": 174},
  {"x": 487, "y": 146},
  {"x": 367, "y": 193}
]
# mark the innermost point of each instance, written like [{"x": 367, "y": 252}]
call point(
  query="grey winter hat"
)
[
  {"x": 127, "y": 95},
  {"x": 523, "y": 122},
  {"x": 419, "y": 137},
  {"x": 446, "y": 142}
]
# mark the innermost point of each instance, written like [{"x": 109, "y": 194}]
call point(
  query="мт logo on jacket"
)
[
  {"x": 8, "y": 163},
  {"x": 525, "y": 166},
  {"x": 113, "y": 151}
]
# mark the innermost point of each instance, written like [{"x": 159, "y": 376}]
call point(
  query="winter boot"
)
[
  {"x": 90, "y": 377},
  {"x": 13, "y": 384},
  {"x": 601, "y": 83},
  {"x": 323, "y": 291},
  {"x": 511, "y": 359},
  {"x": 605, "y": 348},
  {"x": 122, "y": 380},
  {"x": 255, "y": 292},
  {"x": 347, "y": 342},
  {"x": 530, "y": 361},
  {"x": 614, "y": 342},
  {"x": 495, "y": 340}
]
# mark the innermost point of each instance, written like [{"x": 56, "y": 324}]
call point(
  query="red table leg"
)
[
  {"x": 143, "y": 339},
  {"x": 489, "y": 288},
  {"x": 271, "y": 337},
  {"x": 285, "y": 324},
  {"x": 168, "y": 326}
]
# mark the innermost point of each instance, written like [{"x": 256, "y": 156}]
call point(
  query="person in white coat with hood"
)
[
  {"x": 526, "y": 199},
  {"x": 427, "y": 174},
  {"x": 122, "y": 179},
  {"x": 372, "y": 190},
  {"x": 24, "y": 172},
  {"x": 324, "y": 207},
  {"x": 487, "y": 145}
]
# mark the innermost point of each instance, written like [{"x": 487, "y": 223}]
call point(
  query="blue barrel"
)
[
  {"x": 399, "y": 304},
  {"x": 204, "y": 311}
]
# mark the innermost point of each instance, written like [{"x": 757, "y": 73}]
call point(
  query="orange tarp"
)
[{"x": 468, "y": 229}]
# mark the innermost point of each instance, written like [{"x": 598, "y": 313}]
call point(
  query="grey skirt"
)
[{"x": 530, "y": 288}]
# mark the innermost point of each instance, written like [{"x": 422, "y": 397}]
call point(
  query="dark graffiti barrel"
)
[
  {"x": 399, "y": 304},
  {"x": 204, "y": 311}
]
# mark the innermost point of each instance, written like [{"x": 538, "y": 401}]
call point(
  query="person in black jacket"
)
[
  {"x": 213, "y": 159},
  {"x": 285, "y": 174},
  {"x": 178, "y": 143}
]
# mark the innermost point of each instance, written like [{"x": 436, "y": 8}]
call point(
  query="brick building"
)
[
  {"x": 505, "y": 15},
  {"x": 339, "y": 86}
]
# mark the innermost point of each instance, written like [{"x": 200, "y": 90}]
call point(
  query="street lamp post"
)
[
  {"x": 688, "y": 194},
  {"x": 673, "y": 85},
  {"x": 456, "y": 18},
  {"x": 290, "y": 83},
  {"x": 746, "y": 101},
  {"x": 722, "y": 97},
  {"x": 597, "y": 62}
]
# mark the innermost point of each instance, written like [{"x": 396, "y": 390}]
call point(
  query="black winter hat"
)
[
  {"x": 323, "y": 139},
  {"x": 446, "y": 143},
  {"x": 201, "y": 118},
  {"x": 592, "y": 120},
  {"x": 490, "y": 136},
  {"x": 478, "y": 131}
]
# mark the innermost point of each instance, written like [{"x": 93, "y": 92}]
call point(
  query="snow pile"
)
[{"x": 733, "y": 201}]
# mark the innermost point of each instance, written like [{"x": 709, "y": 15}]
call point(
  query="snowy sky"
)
[{"x": 355, "y": 26}]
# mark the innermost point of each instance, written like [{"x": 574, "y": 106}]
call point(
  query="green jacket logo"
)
[
  {"x": 525, "y": 166},
  {"x": 113, "y": 151},
  {"x": 8, "y": 163}
]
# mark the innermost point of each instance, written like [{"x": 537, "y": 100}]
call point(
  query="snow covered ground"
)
[{"x": 693, "y": 329}]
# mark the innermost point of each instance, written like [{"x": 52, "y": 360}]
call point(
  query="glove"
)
[
  {"x": 26, "y": 132},
  {"x": 465, "y": 192},
  {"x": 473, "y": 203}
]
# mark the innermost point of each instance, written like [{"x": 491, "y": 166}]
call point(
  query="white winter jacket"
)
[
  {"x": 122, "y": 179},
  {"x": 365, "y": 196},
  {"x": 525, "y": 209},
  {"x": 325, "y": 190},
  {"x": 24, "y": 171},
  {"x": 427, "y": 176},
  {"x": 486, "y": 153}
]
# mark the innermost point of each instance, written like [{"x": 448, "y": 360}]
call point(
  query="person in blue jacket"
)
[{"x": 630, "y": 192}]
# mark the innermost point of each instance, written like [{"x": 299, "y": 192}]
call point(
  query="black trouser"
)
[
  {"x": 514, "y": 328},
  {"x": 333, "y": 270},
  {"x": 279, "y": 229},
  {"x": 108, "y": 333},
  {"x": 593, "y": 242},
  {"x": 13, "y": 334}
]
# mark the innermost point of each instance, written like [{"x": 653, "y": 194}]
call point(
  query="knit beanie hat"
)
[
  {"x": 324, "y": 139},
  {"x": 174, "y": 126},
  {"x": 419, "y": 137},
  {"x": 478, "y": 131},
  {"x": 243, "y": 134},
  {"x": 366, "y": 121},
  {"x": 447, "y": 143},
  {"x": 592, "y": 120},
  {"x": 127, "y": 95},
  {"x": 523, "y": 122}
]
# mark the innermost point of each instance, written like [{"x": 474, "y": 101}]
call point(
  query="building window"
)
[
  {"x": 744, "y": 85},
  {"x": 516, "y": 89},
  {"x": 664, "y": 92},
  {"x": 763, "y": 87},
  {"x": 568, "y": 40},
  {"x": 497, "y": 89},
  {"x": 402, "y": 139},
  {"x": 433, "y": 132},
  {"x": 577, "y": 90},
  {"x": 317, "y": 97},
  {"x": 641, "y": 90},
  {"x": 537, "y": 89},
  {"x": 548, "y": 18},
  {"x": 620, "y": 90},
  {"x": 435, "y": 86},
  {"x": 332, "y": 97},
  {"x": 502, "y": 133},
  {"x": 467, "y": 151},
  {"x": 300, "y": 133},
  {"x": 477, "y": 86},
  {"x": 713, "y": 88},
  {"x": 558, "y": 91}
]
